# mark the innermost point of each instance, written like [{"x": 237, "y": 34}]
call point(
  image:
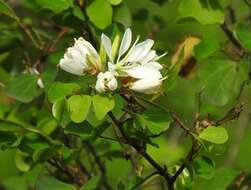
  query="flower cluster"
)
[{"x": 135, "y": 65}]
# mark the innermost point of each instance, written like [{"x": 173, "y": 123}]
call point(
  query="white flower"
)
[
  {"x": 139, "y": 54},
  {"x": 80, "y": 58},
  {"x": 138, "y": 63},
  {"x": 106, "y": 82}
]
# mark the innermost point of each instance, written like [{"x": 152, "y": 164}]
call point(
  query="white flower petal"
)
[
  {"x": 111, "y": 68},
  {"x": 153, "y": 65},
  {"x": 151, "y": 56},
  {"x": 40, "y": 83},
  {"x": 125, "y": 42},
  {"x": 85, "y": 46},
  {"x": 72, "y": 67},
  {"x": 80, "y": 57},
  {"x": 146, "y": 85},
  {"x": 140, "y": 72},
  {"x": 140, "y": 50},
  {"x": 107, "y": 45}
]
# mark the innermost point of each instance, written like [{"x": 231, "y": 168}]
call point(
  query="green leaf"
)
[
  {"x": 60, "y": 90},
  {"x": 115, "y": 2},
  {"x": 79, "y": 107},
  {"x": 100, "y": 13},
  {"x": 204, "y": 11},
  {"x": 56, "y": 6},
  {"x": 83, "y": 130},
  {"x": 102, "y": 105},
  {"x": 91, "y": 184},
  {"x": 7, "y": 126},
  {"x": 48, "y": 77},
  {"x": 21, "y": 164},
  {"x": 204, "y": 167},
  {"x": 47, "y": 125},
  {"x": 123, "y": 15},
  {"x": 23, "y": 88},
  {"x": 44, "y": 153},
  {"x": 222, "y": 81},
  {"x": 217, "y": 135},
  {"x": 60, "y": 112},
  {"x": 77, "y": 12},
  {"x": 58, "y": 108},
  {"x": 221, "y": 180},
  {"x": 206, "y": 47},
  {"x": 156, "y": 120},
  {"x": 243, "y": 34},
  {"x": 7, "y": 10},
  {"x": 46, "y": 183}
]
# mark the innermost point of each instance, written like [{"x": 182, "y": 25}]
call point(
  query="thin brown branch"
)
[
  {"x": 99, "y": 163},
  {"x": 52, "y": 46},
  {"x": 138, "y": 185},
  {"x": 161, "y": 170},
  {"x": 173, "y": 114},
  {"x": 232, "y": 114},
  {"x": 231, "y": 36},
  {"x": 189, "y": 158}
]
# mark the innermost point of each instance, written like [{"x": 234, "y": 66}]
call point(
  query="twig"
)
[
  {"x": 88, "y": 28},
  {"x": 52, "y": 46},
  {"x": 247, "y": 3},
  {"x": 65, "y": 170},
  {"x": 232, "y": 114},
  {"x": 189, "y": 158},
  {"x": 231, "y": 37},
  {"x": 30, "y": 129},
  {"x": 144, "y": 180},
  {"x": 108, "y": 138},
  {"x": 100, "y": 164},
  {"x": 29, "y": 34},
  {"x": 161, "y": 170},
  {"x": 173, "y": 114}
]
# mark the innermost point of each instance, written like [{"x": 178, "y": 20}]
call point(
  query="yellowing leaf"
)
[
  {"x": 187, "y": 45},
  {"x": 184, "y": 55}
]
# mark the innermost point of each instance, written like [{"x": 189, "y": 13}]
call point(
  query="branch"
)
[
  {"x": 144, "y": 180},
  {"x": 30, "y": 129},
  {"x": 189, "y": 158},
  {"x": 100, "y": 164},
  {"x": 70, "y": 173},
  {"x": 231, "y": 36},
  {"x": 232, "y": 114},
  {"x": 173, "y": 114},
  {"x": 161, "y": 170},
  {"x": 248, "y": 3},
  {"x": 88, "y": 27}
]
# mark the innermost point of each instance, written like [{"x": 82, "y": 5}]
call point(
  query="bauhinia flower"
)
[
  {"x": 136, "y": 65},
  {"x": 81, "y": 58},
  {"x": 106, "y": 82},
  {"x": 140, "y": 59}
]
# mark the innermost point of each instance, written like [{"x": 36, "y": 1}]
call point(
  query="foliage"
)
[{"x": 84, "y": 104}]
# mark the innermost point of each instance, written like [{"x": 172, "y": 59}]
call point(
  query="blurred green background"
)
[{"x": 163, "y": 21}]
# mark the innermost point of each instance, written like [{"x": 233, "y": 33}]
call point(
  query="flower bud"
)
[{"x": 106, "y": 82}]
